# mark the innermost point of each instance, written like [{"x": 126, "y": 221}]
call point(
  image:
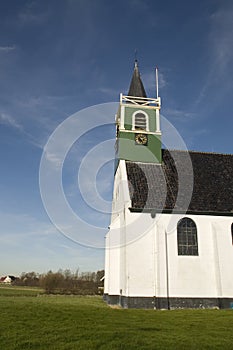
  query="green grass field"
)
[{"x": 31, "y": 320}]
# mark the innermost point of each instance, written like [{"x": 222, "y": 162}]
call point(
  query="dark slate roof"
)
[
  {"x": 136, "y": 86},
  {"x": 185, "y": 181}
]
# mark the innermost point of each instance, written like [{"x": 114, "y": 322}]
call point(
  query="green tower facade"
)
[{"x": 138, "y": 136}]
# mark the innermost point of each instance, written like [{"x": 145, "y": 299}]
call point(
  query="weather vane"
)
[{"x": 135, "y": 54}]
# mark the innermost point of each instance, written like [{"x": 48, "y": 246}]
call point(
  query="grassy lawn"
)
[
  {"x": 19, "y": 291},
  {"x": 30, "y": 320}
]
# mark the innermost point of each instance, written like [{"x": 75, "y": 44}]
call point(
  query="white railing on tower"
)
[{"x": 142, "y": 101}]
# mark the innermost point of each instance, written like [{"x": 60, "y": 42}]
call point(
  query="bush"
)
[{"x": 65, "y": 282}]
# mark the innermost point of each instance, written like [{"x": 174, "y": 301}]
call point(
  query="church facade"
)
[{"x": 170, "y": 241}]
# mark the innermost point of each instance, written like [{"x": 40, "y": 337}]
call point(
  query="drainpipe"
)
[
  {"x": 167, "y": 271},
  {"x": 154, "y": 258}
]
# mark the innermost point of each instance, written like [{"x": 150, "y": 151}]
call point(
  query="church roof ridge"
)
[{"x": 195, "y": 151}]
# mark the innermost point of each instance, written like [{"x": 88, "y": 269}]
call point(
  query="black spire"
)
[{"x": 136, "y": 86}]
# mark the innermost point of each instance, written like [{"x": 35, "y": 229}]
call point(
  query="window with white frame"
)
[
  {"x": 140, "y": 121},
  {"x": 187, "y": 237}
]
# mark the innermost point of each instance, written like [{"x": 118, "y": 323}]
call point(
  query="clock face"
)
[{"x": 141, "y": 139}]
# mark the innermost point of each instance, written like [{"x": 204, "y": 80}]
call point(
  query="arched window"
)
[
  {"x": 187, "y": 237},
  {"x": 232, "y": 233},
  {"x": 140, "y": 121}
]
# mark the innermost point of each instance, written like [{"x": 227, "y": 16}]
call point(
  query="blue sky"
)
[{"x": 60, "y": 57}]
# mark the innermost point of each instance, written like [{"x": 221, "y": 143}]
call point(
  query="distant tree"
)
[
  {"x": 28, "y": 279},
  {"x": 65, "y": 282},
  {"x": 52, "y": 282}
]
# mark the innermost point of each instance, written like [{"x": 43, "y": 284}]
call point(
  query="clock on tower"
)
[{"x": 138, "y": 124}]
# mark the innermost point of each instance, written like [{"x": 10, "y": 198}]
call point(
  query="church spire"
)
[{"x": 136, "y": 88}]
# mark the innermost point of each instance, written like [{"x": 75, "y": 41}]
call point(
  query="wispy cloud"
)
[
  {"x": 54, "y": 159},
  {"x": 178, "y": 114},
  {"x": 6, "y": 119},
  {"x": 6, "y": 49},
  {"x": 17, "y": 228},
  {"x": 23, "y": 238},
  {"x": 109, "y": 92},
  {"x": 31, "y": 13},
  {"x": 220, "y": 52},
  {"x": 149, "y": 80},
  {"x": 221, "y": 38}
]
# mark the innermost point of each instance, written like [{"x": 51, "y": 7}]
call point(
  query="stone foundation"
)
[{"x": 168, "y": 303}]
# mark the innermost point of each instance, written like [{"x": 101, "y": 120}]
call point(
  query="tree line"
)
[{"x": 64, "y": 282}]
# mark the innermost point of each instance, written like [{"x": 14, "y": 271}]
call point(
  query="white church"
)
[{"x": 170, "y": 241}]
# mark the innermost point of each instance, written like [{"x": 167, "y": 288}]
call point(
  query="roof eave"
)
[{"x": 175, "y": 211}]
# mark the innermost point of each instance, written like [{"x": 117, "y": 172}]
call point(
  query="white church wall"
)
[
  {"x": 224, "y": 255},
  {"x": 139, "y": 253},
  {"x": 107, "y": 267},
  {"x": 154, "y": 268},
  {"x": 191, "y": 276},
  {"x": 115, "y": 236},
  {"x": 160, "y": 224},
  {"x": 196, "y": 276},
  {"x": 113, "y": 263}
]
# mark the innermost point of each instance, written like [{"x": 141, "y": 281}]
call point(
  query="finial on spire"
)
[{"x": 136, "y": 59}]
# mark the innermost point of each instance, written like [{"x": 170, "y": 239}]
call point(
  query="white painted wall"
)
[
  {"x": 138, "y": 263},
  {"x": 114, "y": 241},
  {"x": 203, "y": 275}
]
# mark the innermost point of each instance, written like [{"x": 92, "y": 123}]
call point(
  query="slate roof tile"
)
[{"x": 185, "y": 181}]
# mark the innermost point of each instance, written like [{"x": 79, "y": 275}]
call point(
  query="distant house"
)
[{"x": 7, "y": 279}]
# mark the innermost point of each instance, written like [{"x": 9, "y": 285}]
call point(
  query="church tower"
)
[{"x": 138, "y": 124}]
